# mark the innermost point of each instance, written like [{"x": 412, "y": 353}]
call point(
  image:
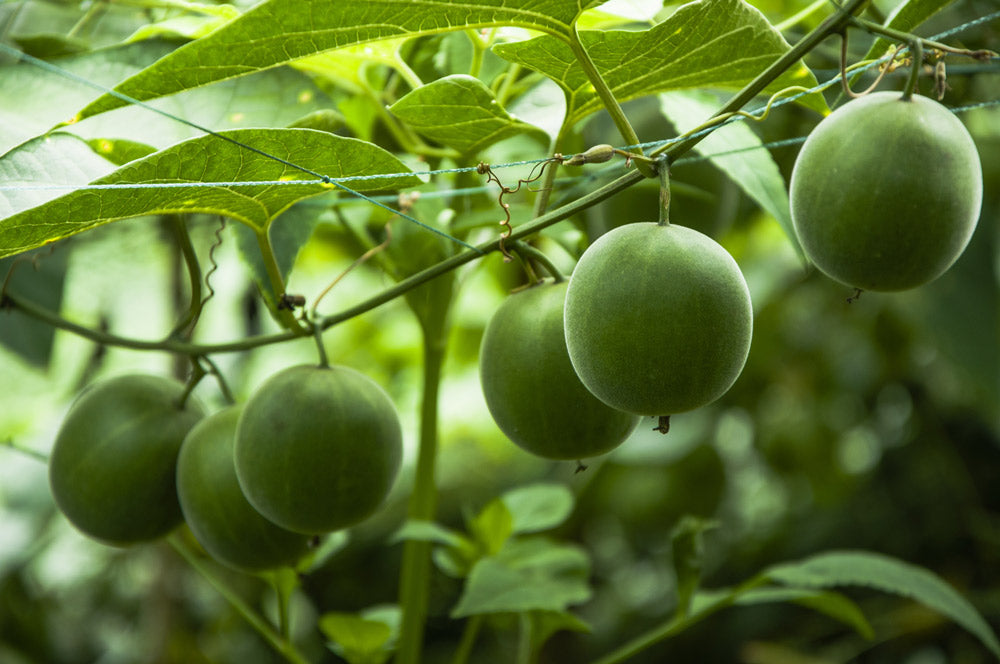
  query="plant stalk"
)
[{"x": 416, "y": 567}]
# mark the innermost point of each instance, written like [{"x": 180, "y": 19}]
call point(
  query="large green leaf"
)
[
  {"x": 460, "y": 112},
  {"x": 709, "y": 43},
  {"x": 281, "y": 31},
  {"x": 34, "y": 100},
  {"x": 205, "y": 160},
  {"x": 860, "y": 568},
  {"x": 732, "y": 149}
]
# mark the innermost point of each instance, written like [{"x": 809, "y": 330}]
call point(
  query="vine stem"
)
[
  {"x": 286, "y": 317},
  {"x": 607, "y": 98},
  {"x": 283, "y": 646},
  {"x": 414, "y": 579},
  {"x": 469, "y": 634},
  {"x": 676, "y": 625},
  {"x": 183, "y": 238}
]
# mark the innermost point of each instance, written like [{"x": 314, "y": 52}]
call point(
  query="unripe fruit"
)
[
  {"x": 219, "y": 515},
  {"x": 317, "y": 448},
  {"x": 658, "y": 319},
  {"x": 532, "y": 392},
  {"x": 885, "y": 193},
  {"x": 114, "y": 460}
]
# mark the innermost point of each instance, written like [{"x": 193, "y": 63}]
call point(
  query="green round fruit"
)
[
  {"x": 658, "y": 319},
  {"x": 530, "y": 387},
  {"x": 885, "y": 193},
  {"x": 317, "y": 448},
  {"x": 219, "y": 515},
  {"x": 114, "y": 460}
]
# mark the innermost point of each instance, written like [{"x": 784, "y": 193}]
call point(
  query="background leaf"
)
[
  {"x": 859, "y": 568},
  {"x": 830, "y": 603},
  {"x": 280, "y": 31},
  {"x": 709, "y": 43},
  {"x": 534, "y": 574},
  {"x": 906, "y": 16},
  {"x": 754, "y": 171},
  {"x": 209, "y": 159},
  {"x": 460, "y": 112},
  {"x": 537, "y": 507}
]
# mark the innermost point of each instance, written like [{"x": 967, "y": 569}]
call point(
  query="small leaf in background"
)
[
  {"x": 460, "y": 112},
  {"x": 359, "y": 640},
  {"x": 210, "y": 159},
  {"x": 705, "y": 44},
  {"x": 288, "y": 233},
  {"x": 751, "y": 168},
  {"x": 688, "y": 549},
  {"x": 535, "y": 574},
  {"x": 872, "y": 570},
  {"x": 120, "y": 151},
  {"x": 428, "y": 531},
  {"x": 546, "y": 623},
  {"x": 537, "y": 507},
  {"x": 38, "y": 279},
  {"x": 492, "y": 527}
]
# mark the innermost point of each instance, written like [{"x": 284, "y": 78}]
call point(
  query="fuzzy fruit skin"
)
[
  {"x": 885, "y": 193},
  {"x": 215, "y": 509},
  {"x": 658, "y": 319},
  {"x": 114, "y": 460},
  {"x": 317, "y": 448},
  {"x": 530, "y": 387}
]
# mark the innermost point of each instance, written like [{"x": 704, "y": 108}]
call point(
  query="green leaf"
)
[
  {"x": 538, "y": 507},
  {"x": 753, "y": 170},
  {"x": 860, "y": 568},
  {"x": 35, "y": 100},
  {"x": 120, "y": 151},
  {"x": 492, "y": 527},
  {"x": 460, "y": 112},
  {"x": 688, "y": 549},
  {"x": 709, "y": 43},
  {"x": 905, "y": 17},
  {"x": 357, "y": 639},
  {"x": 210, "y": 159},
  {"x": 281, "y": 31},
  {"x": 41, "y": 282},
  {"x": 534, "y": 574},
  {"x": 428, "y": 531},
  {"x": 47, "y": 161},
  {"x": 188, "y": 26},
  {"x": 287, "y": 234},
  {"x": 830, "y": 603},
  {"x": 546, "y": 623}
]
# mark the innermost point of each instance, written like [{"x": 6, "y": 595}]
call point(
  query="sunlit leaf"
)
[
  {"x": 537, "y": 507},
  {"x": 704, "y": 44},
  {"x": 210, "y": 159},
  {"x": 905, "y": 17},
  {"x": 460, "y": 112},
  {"x": 281, "y": 31},
  {"x": 357, "y": 639}
]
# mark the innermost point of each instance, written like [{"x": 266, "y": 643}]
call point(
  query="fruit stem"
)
[
  {"x": 324, "y": 361},
  {"x": 285, "y": 316},
  {"x": 663, "y": 170},
  {"x": 415, "y": 573},
  {"x": 283, "y": 646},
  {"x": 526, "y": 251}
]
